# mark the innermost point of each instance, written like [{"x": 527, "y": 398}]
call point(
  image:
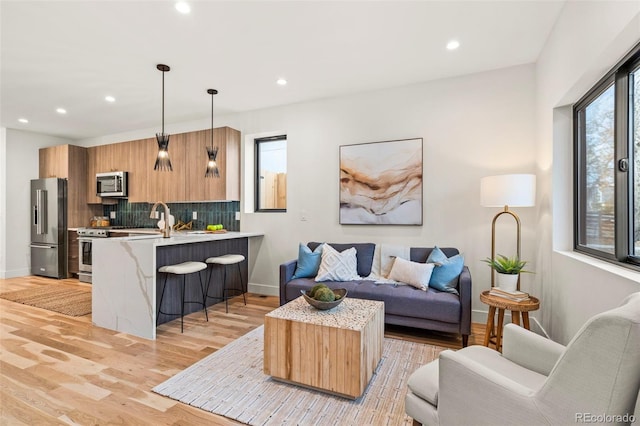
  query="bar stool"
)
[
  {"x": 224, "y": 261},
  {"x": 183, "y": 269}
]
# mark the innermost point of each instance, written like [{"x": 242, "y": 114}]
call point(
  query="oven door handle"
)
[{"x": 84, "y": 239}]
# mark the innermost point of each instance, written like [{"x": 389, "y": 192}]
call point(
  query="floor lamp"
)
[{"x": 506, "y": 191}]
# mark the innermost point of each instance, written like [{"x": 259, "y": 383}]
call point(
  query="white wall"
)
[
  {"x": 587, "y": 40},
  {"x": 19, "y": 164},
  {"x": 472, "y": 126}
]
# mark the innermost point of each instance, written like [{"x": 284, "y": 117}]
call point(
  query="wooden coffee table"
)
[{"x": 336, "y": 351}]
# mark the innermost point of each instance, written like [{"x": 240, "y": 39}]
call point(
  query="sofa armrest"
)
[
  {"x": 529, "y": 349},
  {"x": 464, "y": 288},
  {"x": 287, "y": 270}
]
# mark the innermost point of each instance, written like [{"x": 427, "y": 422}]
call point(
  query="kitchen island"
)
[{"x": 126, "y": 284}]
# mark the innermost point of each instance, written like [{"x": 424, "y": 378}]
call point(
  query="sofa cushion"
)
[
  {"x": 421, "y": 254},
  {"x": 413, "y": 273},
  {"x": 364, "y": 254},
  {"x": 445, "y": 275},
  {"x": 308, "y": 262},
  {"x": 337, "y": 266},
  {"x": 403, "y": 300}
]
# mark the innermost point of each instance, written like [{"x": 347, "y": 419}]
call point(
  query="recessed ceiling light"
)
[
  {"x": 61, "y": 110},
  {"x": 282, "y": 82},
  {"x": 453, "y": 45},
  {"x": 23, "y": 120},
  {"x": 109, "y": 99},
  {"x": 183, "y": 7}
]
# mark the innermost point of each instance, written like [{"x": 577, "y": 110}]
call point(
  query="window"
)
[
  {"x": 607, "y": 165},
  {"x": 271, "y": 174}
]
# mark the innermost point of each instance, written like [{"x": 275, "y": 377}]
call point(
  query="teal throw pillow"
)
[
  {"x": 445, "y": 275},
  {"x": 308, "y": 262}
]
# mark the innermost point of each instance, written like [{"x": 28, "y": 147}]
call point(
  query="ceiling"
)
[{"x": 72, "y": 54}]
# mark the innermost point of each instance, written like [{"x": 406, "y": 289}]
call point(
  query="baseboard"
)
[
  {"x": 481, "y": 318},
  {"x": 15, "y": 273},
  {"x": 263, "y": 289}
]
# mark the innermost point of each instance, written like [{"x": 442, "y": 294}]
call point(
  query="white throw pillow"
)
[
  {"x": 413, "y": 273},
  {"x": 336, "y": 266}
]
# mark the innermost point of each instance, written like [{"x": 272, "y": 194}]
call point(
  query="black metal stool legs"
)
[
  {"x": 182, "y": 301},
  {"x": 204, "y": 296},
  {"x": 164, "y": 285},
  {"x": 226, "y": 290},
  {"x": 244, "y": 290}
]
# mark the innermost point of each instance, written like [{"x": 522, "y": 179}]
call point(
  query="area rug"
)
[
  {"x": 230, "y": 382},
  {"x": 64, "y": 299}
]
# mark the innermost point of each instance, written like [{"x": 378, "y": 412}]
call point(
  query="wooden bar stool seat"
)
[
  {"x": 183, "y": 269},
  {"x": 224, "y": 261}
]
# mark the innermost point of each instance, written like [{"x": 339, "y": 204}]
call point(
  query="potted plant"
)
[{"x": 508, "y": 269}]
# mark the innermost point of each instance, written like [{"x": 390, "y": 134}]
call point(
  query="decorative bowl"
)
[{"x": 323, "y": 306}]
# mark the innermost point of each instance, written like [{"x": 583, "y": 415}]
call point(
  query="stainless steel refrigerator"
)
[{"x": 49, "y": 227}]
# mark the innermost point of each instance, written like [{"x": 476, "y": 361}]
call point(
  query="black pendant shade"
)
[
  {"x": 212, "y": 152},
  {"x": 162, "y": 161}
]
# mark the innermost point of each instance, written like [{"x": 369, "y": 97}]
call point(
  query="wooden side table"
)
[{"x": 502, "y": 304}]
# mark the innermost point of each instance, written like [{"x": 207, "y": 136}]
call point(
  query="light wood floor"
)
[{"x": 57, "y": 369}]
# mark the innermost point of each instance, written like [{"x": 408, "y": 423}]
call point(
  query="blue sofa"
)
[{"x": 404, "y": 305}]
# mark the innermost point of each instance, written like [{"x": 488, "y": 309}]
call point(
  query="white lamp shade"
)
[{"x": 508, "y": 190}]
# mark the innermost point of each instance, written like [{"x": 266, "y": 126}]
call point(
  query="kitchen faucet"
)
[{"x": 166, "y": 231}]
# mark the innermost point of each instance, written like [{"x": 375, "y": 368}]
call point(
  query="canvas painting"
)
[{"x": 381, "y": 183}]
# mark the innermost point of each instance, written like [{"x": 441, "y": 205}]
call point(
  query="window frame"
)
[
  {"x": 620, "y": 76},
  {"x": 256, "y": 143}
]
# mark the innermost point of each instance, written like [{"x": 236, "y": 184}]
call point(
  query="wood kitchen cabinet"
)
[
  {"x": 54, "y": 161},
  {"x": 186, "y": 182},
  {"x": 73, "y": 258},
  {"x": 69, "y": 162},
  {"x": 105, "y": 158},
  {"x": 143, "y": 155},
  {"x": 227, "y": 186},
  {"x": 165, "y": 185}
]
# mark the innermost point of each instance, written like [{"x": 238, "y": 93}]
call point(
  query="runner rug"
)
[
  {"x": 230, "y": 382},
  {"x": 64, "y": 299}
]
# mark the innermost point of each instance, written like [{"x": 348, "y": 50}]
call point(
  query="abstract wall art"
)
[{"x": 381, "y": 183}]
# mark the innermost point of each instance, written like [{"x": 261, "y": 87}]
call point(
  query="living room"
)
[{"x": 513, "y": 119}]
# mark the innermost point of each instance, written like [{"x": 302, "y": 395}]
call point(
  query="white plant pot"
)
[{"x": 507, "y": 282}]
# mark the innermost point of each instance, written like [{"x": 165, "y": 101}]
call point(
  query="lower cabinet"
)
[{"x": 73, "y": 255}]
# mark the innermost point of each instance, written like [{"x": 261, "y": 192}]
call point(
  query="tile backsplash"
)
[{"x": 136, "y": 215}]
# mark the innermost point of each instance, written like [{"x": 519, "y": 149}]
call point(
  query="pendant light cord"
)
[
  {"x": 212, "y": 121},
  {"x": 162, "y": 102}
]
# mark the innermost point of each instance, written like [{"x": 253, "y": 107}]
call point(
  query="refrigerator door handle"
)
[
  {"x": 40, "y": 212},
  {"x": 41, "y": 247}
]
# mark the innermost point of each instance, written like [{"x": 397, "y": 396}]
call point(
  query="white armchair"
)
[{"x": 536, "y": 381}]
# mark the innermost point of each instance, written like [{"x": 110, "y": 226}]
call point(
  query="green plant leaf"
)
[{"x": 506, "y": 265}]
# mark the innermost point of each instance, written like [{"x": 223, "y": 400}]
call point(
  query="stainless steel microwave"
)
[{"x": 112, "y": 184}]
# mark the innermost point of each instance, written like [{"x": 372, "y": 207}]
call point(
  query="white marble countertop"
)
[{"x": 178, "y": 237}]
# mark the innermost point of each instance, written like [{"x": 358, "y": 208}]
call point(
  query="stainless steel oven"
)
[{"x": 85, "y": 262}]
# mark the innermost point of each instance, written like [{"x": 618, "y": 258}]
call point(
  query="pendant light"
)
[
  {"x": 212, "y": 166},
  {"x": 162, "y": 161}
]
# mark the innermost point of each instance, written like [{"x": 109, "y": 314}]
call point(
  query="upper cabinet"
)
[
  {"x": 188, "y": 155},
  {"x": 105, "y": 158},
  {"x": 54, "y": 161},
  {"x": 143, "y": 153},
  {"x": 227, "y": 186},
  {"x": 69, "y": 162}
]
